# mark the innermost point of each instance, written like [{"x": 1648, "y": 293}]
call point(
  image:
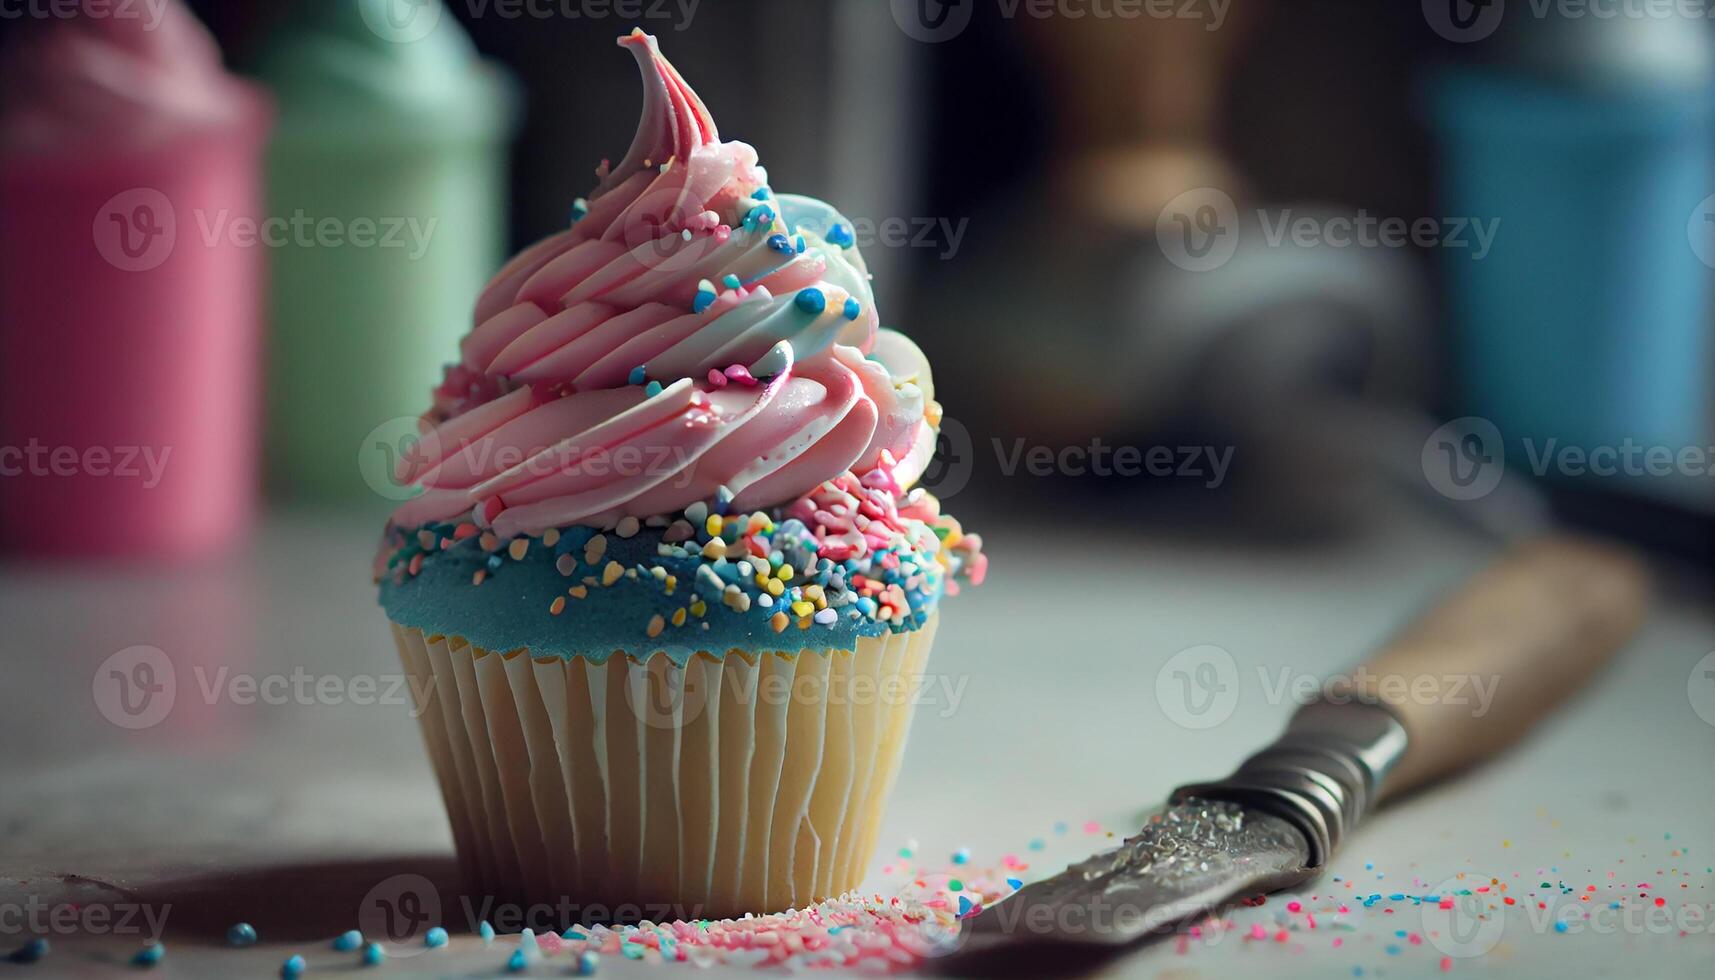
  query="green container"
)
[{"x": 386, "y": 188}]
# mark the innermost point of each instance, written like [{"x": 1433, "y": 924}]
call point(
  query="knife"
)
[{"x": 1536, "y": 625}]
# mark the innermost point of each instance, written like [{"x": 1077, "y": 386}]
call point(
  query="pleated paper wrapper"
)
[{"x": 748, "y": 782}]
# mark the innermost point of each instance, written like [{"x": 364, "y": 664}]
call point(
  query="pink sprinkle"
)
[
  {"x": 1282, "y": 936},
  {"x": 1446, "y": 964},
  {"x": 1258, "y": 932},
  {"x": 716, "y": 378},
  {"x": 1294, "y": 906},
  {"x": 1338, "y": 942},
  {"x": 740, "y": 374}
]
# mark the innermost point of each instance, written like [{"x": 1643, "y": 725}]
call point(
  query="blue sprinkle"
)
[
  {"x": 374, "y": 955},
  {"x": 292, "y": 968},
  {"x": 1396, "y": 897},
  {"x": 573, "y": 935},
  {"x": 1037, "y": 844},
  {"x": 637, "y": 375},
  {"x": 149, "y": 955},
  {"x": 761, "y": 216},
  {"x": 580, "y": 208},
  {"x": 854, "y": 309},
  {"x": 1369, "y": 865},
  {"x": 652, "y": 389},
  {"x": 517, "y": 962},
  {"x": 840, "y": 235},
  {"x": 811, "y": 300},
  {"x": 348, "y": 940},
  {"x": 780, "y": 243},
  {"x": 1392, "y": 949},
  {"x": 494, "y": 563},
  {"x": 965, "y": 905},
  {"x": 704, "y": 299},
  {"x": 435, "y": 938},
  {"x": 723, "y": 499},
  {"x": 800, "y": 244},
  {"x": 731, "y": 281},
  {"x": 587, "y": 963},
  {"x": 1060, "y": 827},
  {"x": 1014, "y": 883},
  {"x": 1560, "y": 926},
  {"x": 486, "y": 931},
  {"x": 241, "y": 934},
  {"x": 962, "y": 856},
  {"x": 1357, "y": 971},
  {"x": 762, "y": 194},
  {"x": 30, "y": 952}
]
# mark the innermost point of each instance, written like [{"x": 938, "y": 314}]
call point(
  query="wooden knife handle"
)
[{"x": 1529, "y": 629}]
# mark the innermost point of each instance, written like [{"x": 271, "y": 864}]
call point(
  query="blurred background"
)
[
  {"x": 1255, "y": 325},
  {"x": 1235, "y": 269}
]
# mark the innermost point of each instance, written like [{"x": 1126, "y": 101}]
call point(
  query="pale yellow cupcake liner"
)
[{"x": 747, "y": 782}]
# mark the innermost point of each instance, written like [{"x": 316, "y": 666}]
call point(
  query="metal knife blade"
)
[{"x": 1272, "y": 824}]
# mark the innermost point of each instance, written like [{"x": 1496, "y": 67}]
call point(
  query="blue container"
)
[{"x": 1588, "y": 319}]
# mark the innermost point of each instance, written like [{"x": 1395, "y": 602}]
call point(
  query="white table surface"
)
[{"x": 286, "y": 814}]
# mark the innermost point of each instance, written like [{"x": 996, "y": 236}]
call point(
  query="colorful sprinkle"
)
[
  {"x": 293, "y": 968},
  {"x": 348, "y": 941},
  {"x": 241, "y": 934}
]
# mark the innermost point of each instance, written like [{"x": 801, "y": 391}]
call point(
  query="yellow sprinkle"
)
[
  {"x": 762, "y": 579},
  {"x": 784, "y": 573},
  {"x": 713, "y": 525},
  {"x": 714, "y": 549},
  {"x": 558, "y": 606},
  {"x": 804, "y": 623},
  {"x": 612, "y": 572},
  {"x": 479, "y": 576},
  {"x": 488, "y": 541},
  {"x": 699, "y": 607},
  {"x": 518, "y": 548},
  {"x": 803, "y": 608},
  {"x": 595, "y": 549},
  {"x": 679, "y": 616},
  {"x": 814, "y": 594},
  {"x": 656, "y": 625},
  {"x": 778, "y": 621},
  {"x": 578, "y": 592},
  {"x": 551, "y": 536},
  {"x": 672, "y": 583},
  {"x": 775, "y": 587}
]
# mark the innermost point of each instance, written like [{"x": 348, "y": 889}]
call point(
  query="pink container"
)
[{"x": 130, "y": 298}]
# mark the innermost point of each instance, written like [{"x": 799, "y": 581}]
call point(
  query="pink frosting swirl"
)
[
  {"x": 118, "y": 75},
  {"x": 750, "y": 315}
]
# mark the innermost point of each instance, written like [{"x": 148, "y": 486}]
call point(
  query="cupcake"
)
[{"x": 667, "y": 582}]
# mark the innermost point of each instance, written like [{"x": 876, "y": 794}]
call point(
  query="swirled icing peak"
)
[{"x": 692, "y": 335}]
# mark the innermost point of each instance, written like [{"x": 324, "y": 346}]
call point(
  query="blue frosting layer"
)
[{"x": 511, "y": 603}]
